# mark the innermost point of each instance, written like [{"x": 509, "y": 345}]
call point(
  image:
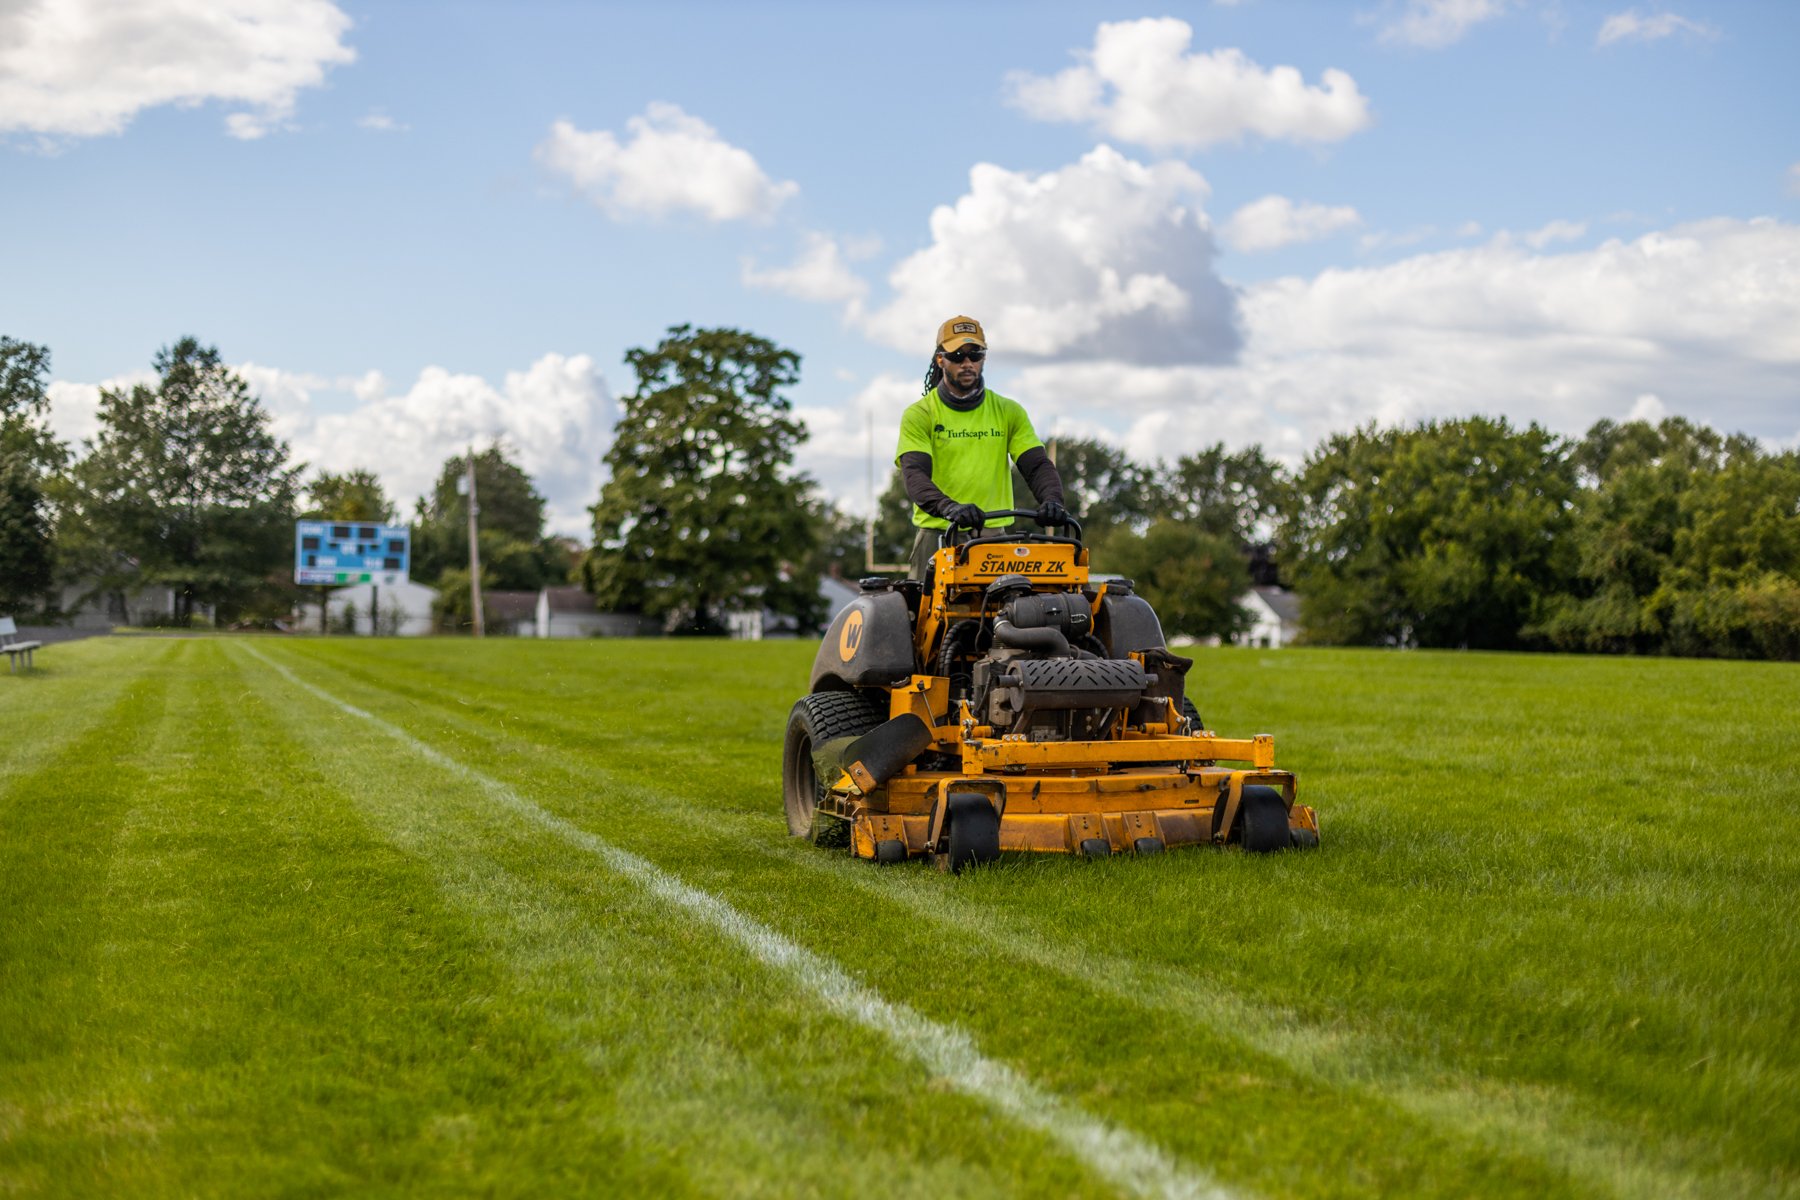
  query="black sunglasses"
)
[{"x": 966, "y": 354}]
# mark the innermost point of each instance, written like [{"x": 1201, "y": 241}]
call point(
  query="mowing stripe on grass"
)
[
  {"x": 1117, "y": 1154},
  {"x": 1542, "y": 1122}
]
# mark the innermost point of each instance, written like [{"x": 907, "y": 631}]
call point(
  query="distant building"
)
[
  {"x": 837, "y": 592},
  {"x": 1276, "y": 617},
  {"x": 391, "y": 609},
  {"x": 569, "y": 612},
  {"x": 755, "y": 624},
  {"x": 510, "y": 614},
  {"x": 88, "y": 611}
]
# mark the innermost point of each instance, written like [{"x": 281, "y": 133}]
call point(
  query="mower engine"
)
[{"x": 1037, "y": 682}]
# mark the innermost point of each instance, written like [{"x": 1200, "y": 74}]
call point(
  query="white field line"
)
[{"x": 1116, "y": 1154}]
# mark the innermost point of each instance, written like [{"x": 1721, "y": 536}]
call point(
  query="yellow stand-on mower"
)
[{"x": 1007, "y": 703}]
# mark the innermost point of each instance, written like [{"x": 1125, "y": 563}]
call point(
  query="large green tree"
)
[
  {"x": 1103, "y": 486},
  {"x": 1240, "y": 495},
  {"x": 355, "y": 495},
  {"x": 186, "y": 486},
  {"x": 1452, "y": 533},
  {"x": 515, "y": 555},
  {"x": 1688, "y": 542},
  {"x": 703, "y": 511},
  {"x": 28, "y": 455},
  {"x": 894, "y": 530},
  {"x": 840, "y": 546},
  {"x": 1192, "y": 578}
]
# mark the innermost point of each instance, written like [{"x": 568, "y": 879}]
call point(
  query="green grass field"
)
[{"x": 288, "y": 918}]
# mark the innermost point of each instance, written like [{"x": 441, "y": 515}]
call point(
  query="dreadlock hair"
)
[{"x": 934, "y": 371}]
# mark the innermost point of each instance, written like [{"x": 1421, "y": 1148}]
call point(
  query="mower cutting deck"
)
[{"x": 1006, "y": 703}]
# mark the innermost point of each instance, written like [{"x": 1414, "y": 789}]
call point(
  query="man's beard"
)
[{"x": 974, "y": 388}]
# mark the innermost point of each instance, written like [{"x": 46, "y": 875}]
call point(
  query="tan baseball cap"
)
[{"x": 958, "y": 332}]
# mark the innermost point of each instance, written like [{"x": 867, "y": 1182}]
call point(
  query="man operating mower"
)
[{"x": 958, "y": 443}]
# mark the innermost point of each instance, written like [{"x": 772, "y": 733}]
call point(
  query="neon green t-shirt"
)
[{"x": 971, "y": 452}]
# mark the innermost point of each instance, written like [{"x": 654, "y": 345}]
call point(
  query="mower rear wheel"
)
[
  {"x": 1263, "y": 820},
  {"x": 815, "y": 720}
]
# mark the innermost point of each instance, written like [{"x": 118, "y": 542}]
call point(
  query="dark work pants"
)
[{"x": 925, "y": 544}]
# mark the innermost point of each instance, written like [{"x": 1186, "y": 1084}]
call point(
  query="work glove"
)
[
  {"x": 1051, "y": 512},
  {"x": 965, "y": 516}
]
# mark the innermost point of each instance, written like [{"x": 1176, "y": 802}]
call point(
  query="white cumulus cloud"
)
[
  {"x": 80, "y": 68},
  {"x": 1140, "y": 84},
  {"x": 821, "y": 273},
  {"x": 1702, "y": 319},
  {"x": 1555, "y": 231},
  {"x": 555, "y": 419},
  {"x": 1633, "y": 26},
  {"x": 1104, "y": 256},
  {"x": 75, "y": 407},
  {"x": 380, "y": 122},
  {"x": 1275, "y": 221},
  {"x": 1434, "y": 24},
  {"x": 668, "y": 162},
  {"x": 837, "y": 450}
]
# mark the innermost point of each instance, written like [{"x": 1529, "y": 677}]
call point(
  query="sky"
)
[{"x": 414, "y": 226}]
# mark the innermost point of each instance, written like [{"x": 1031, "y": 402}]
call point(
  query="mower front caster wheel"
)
[
  {"x": 1263, "y": 820},
  {"x": 974, "y": 831}
]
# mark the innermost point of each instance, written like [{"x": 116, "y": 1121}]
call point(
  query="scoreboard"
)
[{"x": 342, "y": 552}]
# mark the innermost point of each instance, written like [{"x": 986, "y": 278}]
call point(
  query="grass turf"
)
[{"x": 251, "y": 944}]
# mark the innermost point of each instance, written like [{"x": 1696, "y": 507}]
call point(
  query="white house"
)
[
  {"x": 510, "y": 614},
  {"x": 837, "y": 593},
  {"x": 392, "y": 609},
  {"x": 568, "y": 612},
  {"x": 755, "y": 624},
  {"x": 1276, "y": 617},
  {"x": 102, "y": 611}
]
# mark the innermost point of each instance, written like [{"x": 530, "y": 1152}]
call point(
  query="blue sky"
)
[{"x": 416, "y": 224}]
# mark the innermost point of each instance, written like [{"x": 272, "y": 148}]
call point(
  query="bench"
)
[{"x": 9, "y": 642}]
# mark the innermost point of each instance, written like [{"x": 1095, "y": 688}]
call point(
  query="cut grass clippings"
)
[{"x": 251, "y": 943}]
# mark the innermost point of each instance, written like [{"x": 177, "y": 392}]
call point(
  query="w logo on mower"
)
[{"x": 851, "y": 638}]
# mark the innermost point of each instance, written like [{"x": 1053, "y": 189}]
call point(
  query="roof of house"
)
[
  {"x": 510, "y": 606},
  {"x": 570, "y": 600},
  {"x": 1283, "y": 603}
]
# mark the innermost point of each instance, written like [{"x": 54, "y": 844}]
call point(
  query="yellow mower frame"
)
[{"x": 1145, "y": 786}]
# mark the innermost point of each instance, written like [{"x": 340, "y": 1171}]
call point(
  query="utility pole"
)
[{"x": 474, "y": 550}]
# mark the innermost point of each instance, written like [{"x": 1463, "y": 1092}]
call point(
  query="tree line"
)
[
  {"x": 185, "y": 486},
  {"x": 1637, "y": 537}
]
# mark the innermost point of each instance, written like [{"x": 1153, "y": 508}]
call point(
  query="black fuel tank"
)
[
  {"x": 869, "y": 644},
  {"x": 1127, "y": 623}
]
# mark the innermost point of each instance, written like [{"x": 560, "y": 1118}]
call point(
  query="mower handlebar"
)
[{"x": 1069, "y": 521}]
